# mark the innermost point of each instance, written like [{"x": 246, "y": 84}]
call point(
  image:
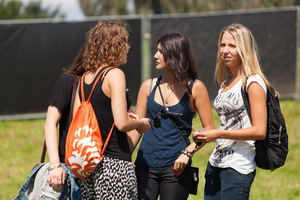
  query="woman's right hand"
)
[
  {"x": 56, "y": 178},
  {"x": 144, "y": 126}
]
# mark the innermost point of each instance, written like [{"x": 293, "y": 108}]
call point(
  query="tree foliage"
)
[
  {"x": 15, "y": 9},
  {"x": 119, "y": 7},
  {"x": 103, "y": 7}
]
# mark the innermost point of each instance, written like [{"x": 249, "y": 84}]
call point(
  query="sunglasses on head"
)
[{"x": 163, "y": 111}]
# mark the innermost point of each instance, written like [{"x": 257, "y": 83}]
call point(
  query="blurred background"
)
[{"x": 38, "y": 38}]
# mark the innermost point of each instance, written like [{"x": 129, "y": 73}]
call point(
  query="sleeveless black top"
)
[{"x": 118, "y": 146}]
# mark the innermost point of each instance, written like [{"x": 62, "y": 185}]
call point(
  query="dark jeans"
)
[
  {"x": 227, "y": 184},
  {"x": 153, "y": 183}
]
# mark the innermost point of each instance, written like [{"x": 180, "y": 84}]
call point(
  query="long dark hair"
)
[
  {"x": 179, "y": 55},
  {"x": 77, "y": 68}
]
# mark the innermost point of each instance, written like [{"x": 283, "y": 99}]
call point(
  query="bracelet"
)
[
  {"x": 187, "y": 153},
  {"x": 54, "y": 167}
]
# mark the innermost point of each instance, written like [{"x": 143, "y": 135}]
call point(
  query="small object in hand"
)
[{"x": 195, "y": 135}]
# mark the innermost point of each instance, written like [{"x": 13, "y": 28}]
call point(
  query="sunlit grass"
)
[{"x": 22, "y": 141}]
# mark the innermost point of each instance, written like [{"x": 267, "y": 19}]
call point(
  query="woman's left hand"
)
[
  {"x": 180, "y": 164},
  {"x": 206, "y": 136}
]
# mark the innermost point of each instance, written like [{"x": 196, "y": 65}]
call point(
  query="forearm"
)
[
  {"x": 251, "y": 133},
  {"x": 52, "y": 144},
  {"x": 133, "y": 139}
]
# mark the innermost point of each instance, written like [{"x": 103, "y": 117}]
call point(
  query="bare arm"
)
[
  {"x": 117, "y": 92},
  {"x": 258, "y": 107},
  {"x": 201, "y": 103},
  {"x": 141, "y": 110},
  {"x": 52, "y": 120}
]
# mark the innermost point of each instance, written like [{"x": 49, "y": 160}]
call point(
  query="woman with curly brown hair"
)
[{"x": 114, "y": 178}]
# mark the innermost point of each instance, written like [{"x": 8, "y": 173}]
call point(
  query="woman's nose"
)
[{"x": 226, "y": 49}]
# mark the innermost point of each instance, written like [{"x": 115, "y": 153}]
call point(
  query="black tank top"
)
[{"x": 118, "y": 146}]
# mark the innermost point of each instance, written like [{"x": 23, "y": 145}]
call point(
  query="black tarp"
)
[
  {"x": 32, "y": 56},
  {"x": 275, "y": 33}
]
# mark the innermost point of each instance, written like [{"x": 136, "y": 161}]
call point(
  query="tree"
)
[
  {"x": 15, "y": 9},
  {"x": 103, "y": 7},
  {"x": 120, "y": 7}
]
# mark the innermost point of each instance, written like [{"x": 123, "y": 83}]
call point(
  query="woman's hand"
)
[
  {"x": 144, "y": 126},
  {"x": 133, "y": 116},
  {"x": 205, "y": 136},
  {"x": 56, "y": 178},
  {"x": 180, "y": 164}
]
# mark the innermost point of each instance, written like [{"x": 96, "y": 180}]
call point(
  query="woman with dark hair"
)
[
  {"x": 59, "y": 113},
  {"x": 163, "y": 163}
]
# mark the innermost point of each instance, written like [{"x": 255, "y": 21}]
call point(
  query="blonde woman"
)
[
  {"x": 231, "y": 168},
  {"x": 114, "y": 178}
]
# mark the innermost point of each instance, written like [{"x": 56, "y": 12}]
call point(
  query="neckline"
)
[
  {"x": 98, "y": 73},
  {"x": 153, "y": 96},
  {"x": 232, "y": 87}
]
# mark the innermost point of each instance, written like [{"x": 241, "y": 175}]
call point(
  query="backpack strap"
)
[
  {"x": 246, "y": 100},
  {"x": 107, "y": 139},
  {"x": 95, "y": 83},
  {"x": 75, "y": 81},
  {"x": 83, "y": 99}
]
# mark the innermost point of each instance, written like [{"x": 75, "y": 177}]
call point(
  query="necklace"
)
[{"x": 167, "y": 99}]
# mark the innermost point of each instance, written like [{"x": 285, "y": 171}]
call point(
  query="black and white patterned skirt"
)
[{"x": 113, "y": 179}]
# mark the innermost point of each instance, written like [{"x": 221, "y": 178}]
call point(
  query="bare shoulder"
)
[
  {"x": 146, "y": 83},
  {"x": 149, "y": 83},
  {"x": 115, "y": 72},
  {"x": 199, "y": 85}
]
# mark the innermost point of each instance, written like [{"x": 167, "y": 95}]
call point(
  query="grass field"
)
[{"x": 22, "y": 141}]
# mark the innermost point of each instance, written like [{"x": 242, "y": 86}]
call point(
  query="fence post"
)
[{"x": 146, "y": 47}]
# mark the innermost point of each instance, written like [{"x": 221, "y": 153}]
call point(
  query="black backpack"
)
[{"x": 271, "y": 152}]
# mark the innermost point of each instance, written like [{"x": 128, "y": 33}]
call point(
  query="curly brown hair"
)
[{"x": 106, "y": 44}]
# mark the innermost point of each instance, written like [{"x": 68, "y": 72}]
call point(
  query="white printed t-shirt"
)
[{"x": 236, "y": 154}]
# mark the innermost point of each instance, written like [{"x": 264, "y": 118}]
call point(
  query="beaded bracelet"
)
[
  {"x": 54, "y": 167},
  {"x": 187, "y": 153}
]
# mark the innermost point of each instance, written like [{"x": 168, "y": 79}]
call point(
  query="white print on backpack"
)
[{"x": 83, "y": 148}]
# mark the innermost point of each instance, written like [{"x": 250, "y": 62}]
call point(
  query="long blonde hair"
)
[{"x": 248, "y": 52}]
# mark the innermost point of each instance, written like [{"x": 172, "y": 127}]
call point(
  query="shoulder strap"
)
[
  {"x": 192, "y": 83},
  {"x": 246, "y": 100},
  {"x": 183, "y": 138},
  {"x": 43, "y": 152},
  {"x": 107, "y": 139},
  {"x": 72, "y": 98},
  {"x": 157, "y": 84},
  {"x": 95, "y": 83},
  {"x": 112, "y": 127},
  {"x": 150, "y": 86}
]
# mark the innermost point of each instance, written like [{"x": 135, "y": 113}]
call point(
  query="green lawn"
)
[{"x": 22, "y": 141}]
